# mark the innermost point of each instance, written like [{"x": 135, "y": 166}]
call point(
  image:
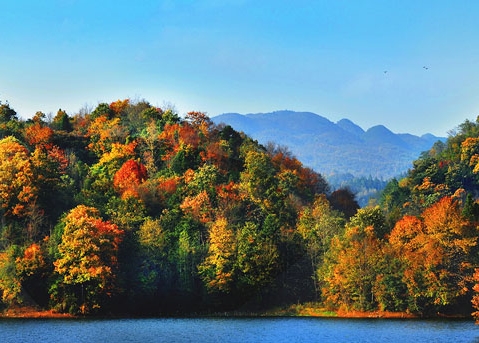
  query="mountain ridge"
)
[{"x": 334, "y": 148}]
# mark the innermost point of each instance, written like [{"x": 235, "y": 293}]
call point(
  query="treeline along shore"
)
[{"x": 132, "y": 210}]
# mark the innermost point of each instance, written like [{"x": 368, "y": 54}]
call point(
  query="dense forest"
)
[{"x": 130, "y": 209}]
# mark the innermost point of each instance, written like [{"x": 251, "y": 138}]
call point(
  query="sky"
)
[{"x": 411, "y": 65}]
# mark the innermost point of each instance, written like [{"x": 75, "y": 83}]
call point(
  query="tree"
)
[
  {"x": 10, "y": 282},
  {"x": 204, "y": 179},
  {"x": 258, "y": 178},
  {"x": 198, "y": 206},
  {"x": 355, "y": 269},
  {"x": 17, "y": 190},
  {"x": 189, "y": 253},
  {"x": 98, "y": 186},
  {"x": 127, "y": 212},
  {"x": 152, "y": 236},
  {"x": 150, "y": 267},
  {"x": 344, "y": 201},
  {"x": 180, "y": 143},
  {"x": 55, "y": 189},
  {"x": 218, "y": 269},
  {"x": 102, "y": 109},
  {"x": 370, "y": 216},
  {"x": 7, "y": 113},
  {"x": 9, "y": 123},
  {"x": 87, "y": 259},
  {"x": 394, "y": 195},
  {"x": 436, "y": 250},
  {"x": 38, "y": 134},
  {"x": 150, "y": 147},
  {"x": 119, "y": 106},
  {"x": 450, "y": 240},
  {"x": 475, "y": 298},
  {"x": 470, "y": 209},
  {"x": 201, "y": 122},
  {"x": 307, "y": 183},
  {"x": 198, "y": 119},
  {"x": 350, "y": 270},
  {"x": 33, "y": 269},
  {"x": 258, "y": 259},
  {"x": 168, "y": 117},
  {"x": 317, "y": 225},
  {"x": 62, "y": 122},
  {"x": 129, "y": 177},
  {"x": 104, "y": 132},
  {"x": 32, "y": 261}
]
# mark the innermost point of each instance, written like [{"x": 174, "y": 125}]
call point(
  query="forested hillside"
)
[{"x": 132, "y": 210}]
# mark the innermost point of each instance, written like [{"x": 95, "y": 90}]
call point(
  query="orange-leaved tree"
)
[
  {"x": 436, "y": 251},
  {"x": 119, "y": 106},
  {"x": 129, "y": 177},
  {"x": 39, "y": 134}
]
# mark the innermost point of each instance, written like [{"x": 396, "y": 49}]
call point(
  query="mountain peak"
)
[
  {"x": 283, "y": 120},
  {"x": 350, "y": 127}
]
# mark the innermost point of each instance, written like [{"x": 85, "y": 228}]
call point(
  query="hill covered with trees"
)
[{"x": 132, "y": 210}]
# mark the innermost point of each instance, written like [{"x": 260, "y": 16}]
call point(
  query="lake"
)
[{"x": 225, "y": 330}]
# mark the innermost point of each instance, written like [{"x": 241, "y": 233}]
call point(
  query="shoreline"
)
[
  {"x": 359, "y": 315},
  {"x": 35, "y": 313},
  {"x": 32, "y": 313}
]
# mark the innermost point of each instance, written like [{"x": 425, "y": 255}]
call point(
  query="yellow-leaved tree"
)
[
  {"x": 87, "y": 260},
  {"x": 17, "y": 190},
  {"x": 218, "y": 268}
]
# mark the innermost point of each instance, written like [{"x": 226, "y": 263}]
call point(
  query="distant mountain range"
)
[{"x": 334, "y": 148}]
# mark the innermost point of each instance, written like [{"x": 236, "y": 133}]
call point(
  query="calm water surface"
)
[{"x": 225, "y": 330}]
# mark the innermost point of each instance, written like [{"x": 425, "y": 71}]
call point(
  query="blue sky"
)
[{"x": 217, "y": 56}]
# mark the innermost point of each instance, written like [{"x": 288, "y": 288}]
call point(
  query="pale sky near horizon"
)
[{"x": 410, "y": 65}]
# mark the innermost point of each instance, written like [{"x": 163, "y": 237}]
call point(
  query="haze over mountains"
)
[{"x": 334, "y": 148}]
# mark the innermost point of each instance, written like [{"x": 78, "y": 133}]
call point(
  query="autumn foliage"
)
[
  {"x": 17, "y": 188},
  {"x": 128, "y": 178},
  {"x": 132, "y": 209},
  {"x": 88, "y": 256}
]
